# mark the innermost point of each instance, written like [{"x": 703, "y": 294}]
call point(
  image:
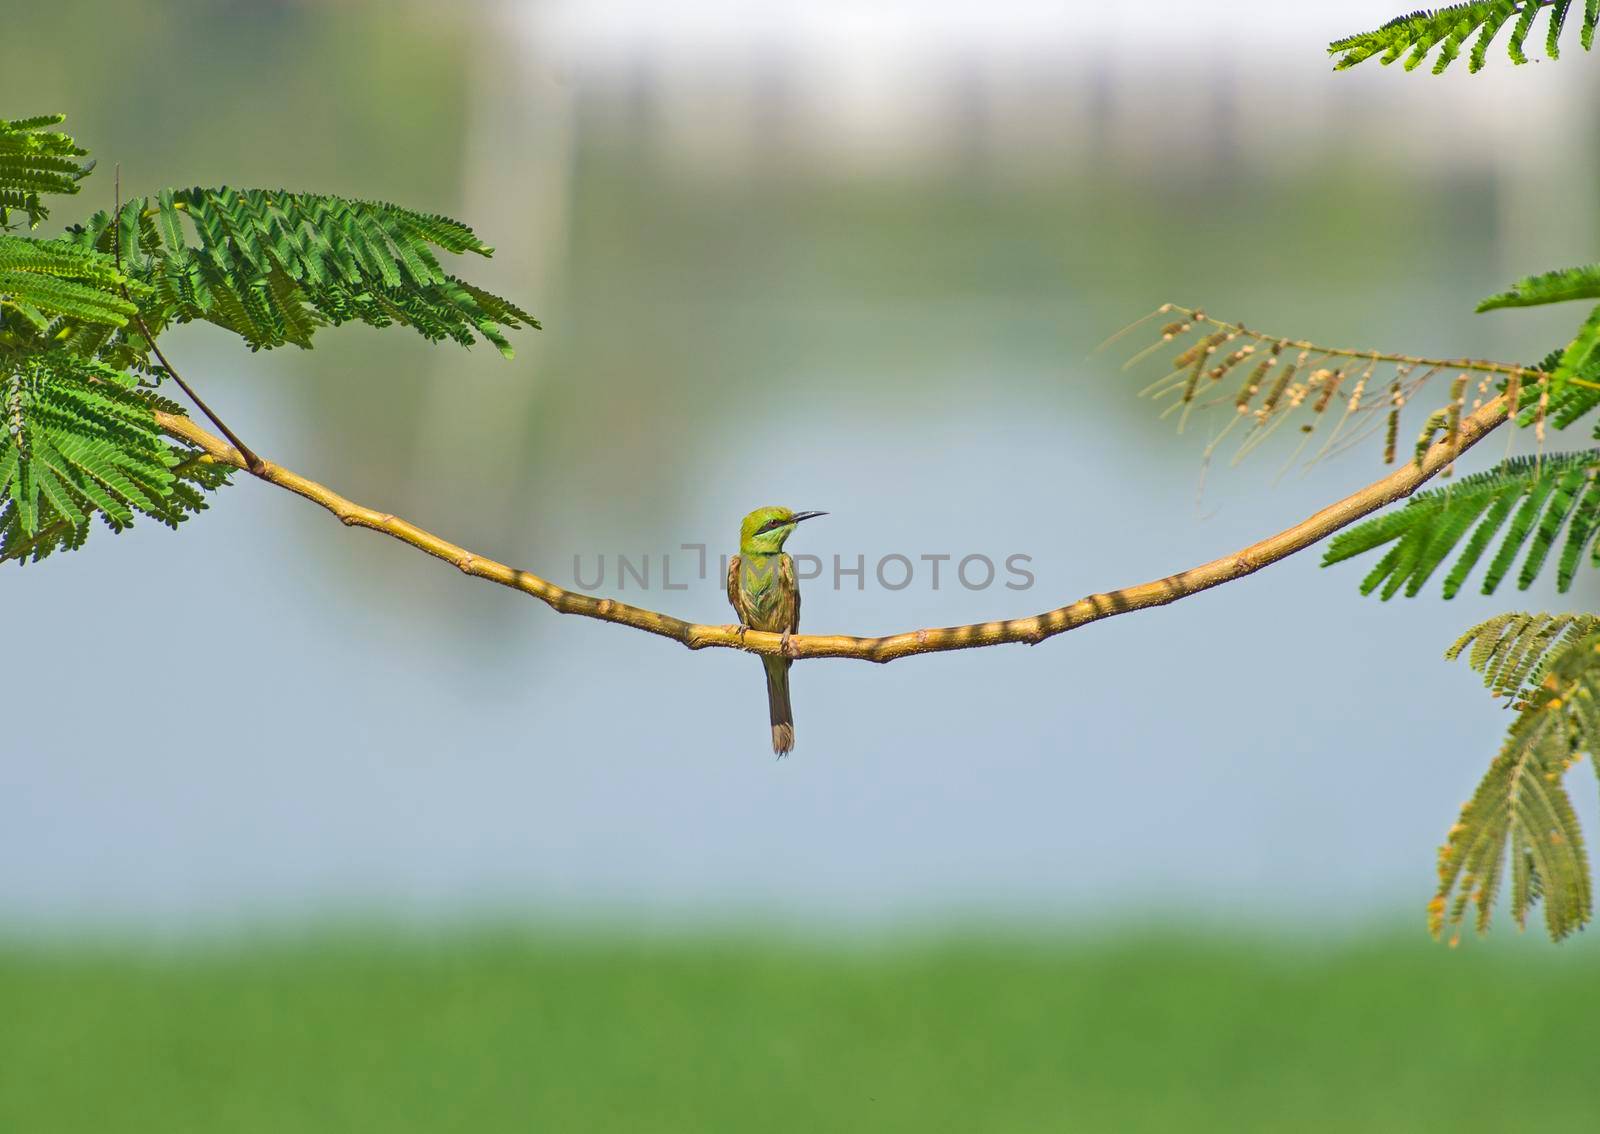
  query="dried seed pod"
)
[
  {"x": 1328, "y": 389},
  {"x": 1458, "y": 395},
  {"x": 1278, "y": 386},
  {"x": 1199, "y": 350},
  {"x": 1434, "y": 424},
  {"x": 1252, "y": 385},
  {"x": 1355, "y": 395},
  {"x": 1194, "y": 377},
  {"x": 1393, "y": 435},
  {"x": 1230, "y": 362}
]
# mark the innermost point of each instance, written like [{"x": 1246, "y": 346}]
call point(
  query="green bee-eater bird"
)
[{"x": 766, "y": 596}]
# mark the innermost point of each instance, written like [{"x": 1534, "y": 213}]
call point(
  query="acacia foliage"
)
[{"x": 80, "y": 312}]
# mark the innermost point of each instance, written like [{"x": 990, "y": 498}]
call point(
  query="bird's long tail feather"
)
[{"x": 778, "y": 703}]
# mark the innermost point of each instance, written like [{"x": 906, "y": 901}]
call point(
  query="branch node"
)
[{"x": 253, "y": 464}]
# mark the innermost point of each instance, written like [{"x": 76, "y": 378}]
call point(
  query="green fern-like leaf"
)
[
  {"x": 44, "y": 280},
  {"x": 1513, "y": 651},
  {"x": 1540, "y": 497},
  {"x": 1560, "y": 410},
  {"x": 1583, "y": 352},
  {"x": 1521, "y": 811},
  {"x": 34, "y": 163},
  {"x": 80, "y": 438},
  {"x": 1519, "y": 36},
  {"x": 1414, "y": 36},
  {"x": 1549, "y": 287},
  {"x": 1558, "y": 19},
  {"x": 273, "y": 267}
]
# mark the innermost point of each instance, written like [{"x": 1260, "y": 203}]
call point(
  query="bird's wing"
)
[
  {"x": 789, "y": 587},
  {"x": 733, "y": 586}
]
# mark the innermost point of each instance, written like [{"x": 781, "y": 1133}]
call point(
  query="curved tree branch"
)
[{"x": 1398, "y": 484}]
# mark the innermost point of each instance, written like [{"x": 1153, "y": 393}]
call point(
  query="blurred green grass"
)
[{"x": 508, "y": 1031}]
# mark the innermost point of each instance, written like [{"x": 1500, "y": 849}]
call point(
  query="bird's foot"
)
[
  {"x": 786, "y": 645},
  {"x": 737, "y": 629}
]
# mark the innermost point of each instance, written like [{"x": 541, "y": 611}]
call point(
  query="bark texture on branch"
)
[{"x": 1398, "y": 484}]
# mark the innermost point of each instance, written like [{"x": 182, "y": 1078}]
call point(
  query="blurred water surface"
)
[{"x": 813, "y": 262}]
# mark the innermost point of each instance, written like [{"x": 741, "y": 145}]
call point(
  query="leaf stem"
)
[{"x": 252, "y": 463}]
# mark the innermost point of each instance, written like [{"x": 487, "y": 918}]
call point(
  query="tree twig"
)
[
  {"x": 251, "y": 463},
  {"x": 1397, "y": 485}
]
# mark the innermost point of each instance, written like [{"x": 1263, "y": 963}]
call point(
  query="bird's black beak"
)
[{"x": 798, "y": 516}]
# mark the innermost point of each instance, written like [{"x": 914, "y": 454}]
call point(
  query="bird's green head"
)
[{"x": 765, "y": 529}]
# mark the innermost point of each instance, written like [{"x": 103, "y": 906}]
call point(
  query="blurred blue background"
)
[
  {"x": 302, "y": 830},
  {"x": 845, "y": 257}
]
